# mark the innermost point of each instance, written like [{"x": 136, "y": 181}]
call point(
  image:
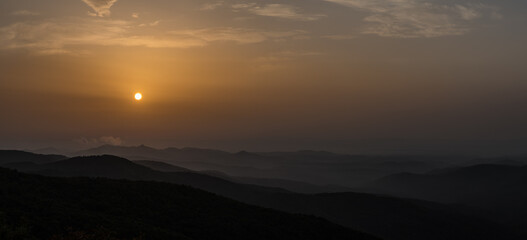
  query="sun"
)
[{"x": 138, "y": 96}]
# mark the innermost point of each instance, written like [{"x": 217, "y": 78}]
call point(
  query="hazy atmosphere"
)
[
  {"x": 352, "y": 76},
  {"x": 263, "y": 120}
]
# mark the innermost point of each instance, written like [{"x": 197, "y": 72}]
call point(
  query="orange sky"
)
[{"x": 262, "y": 75}]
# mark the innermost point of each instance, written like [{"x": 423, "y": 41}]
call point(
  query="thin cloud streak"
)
[
  {"x": 101, "y": 7},
  {"x": 25, "y": 13},
  {"x": 211, "y": 6},
  {"x": 105, "y": 140},
  {"x": 68, "y": 37},
  {"x": 339, "y": 37},
  {"x": 417, "y": 19},
  {"x": 278, "y": 10},
  {"x": 238, "y": 35}
]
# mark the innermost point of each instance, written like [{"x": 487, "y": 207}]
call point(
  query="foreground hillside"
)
[
  {"x": 36, "y": 207},
  {"x": 387, "y": 217}
]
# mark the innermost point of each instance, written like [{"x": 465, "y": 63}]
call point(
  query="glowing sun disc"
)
[{"x": 138, "y": 96}]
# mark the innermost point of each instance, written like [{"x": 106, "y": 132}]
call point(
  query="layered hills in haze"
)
[
  {"x": 498, "y": 189},
  {"x": 35, "y": 207},
  {"x": 382, "y": 216},
  {"x": 317, "y": 167}
]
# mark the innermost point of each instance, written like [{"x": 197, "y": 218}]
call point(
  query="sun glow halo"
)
[{"x": 138, "y": 96}]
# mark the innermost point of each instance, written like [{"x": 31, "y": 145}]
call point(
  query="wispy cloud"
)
[
  {"x": 106, "y": 140},
  {"x": 101, "y": 7},
  {"x": 237, "y": 35},
  {"x": 414, "y": 19},
  {"x": 25, "y": 13},
  {"x": 211, "y": 6},
  {"x": 70, "y": 36},
  {"x": 152, "y": 24},
  {"x": 278, "y": 10},
  {"x": 339, "y": 37},
  {"x": 60, "y": 36}
]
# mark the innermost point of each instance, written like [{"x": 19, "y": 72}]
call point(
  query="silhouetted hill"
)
[
  {"x": 105, "y": 165},
  {"x": 122, "y": 151},
  {"x": 506, "y": 160},
  {"x": 314, "y": 167},
  {"x": 35, "y": 207},
  {"x": 304, "y": 154},
  {"x": 393, "y": 218},
  {"x": 120, "y": 168},
  {"x": 48, "y": 150},
  {"x": 295, "y": 186},
  {"x": 499, "y": 189},
  {"x": 161, "y": 166},
  {"x": 387, "y": 217},
  {"x": 144, "y": 152},
  {"x": 23, "y": 166},
  {"x": 464, "y": 184},
  {"x": 12, "y": 156}
]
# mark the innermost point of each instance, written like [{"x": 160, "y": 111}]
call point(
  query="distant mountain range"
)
[
  {"x": 295, "y": 186},
  {"x": 386, "y": 217},
  {"x": 316, "y": 167}
]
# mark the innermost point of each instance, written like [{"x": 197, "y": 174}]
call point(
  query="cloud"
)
[
  {"x": 111, "y": 140},
  {"x": 25, "y": 13},
  {"x": 238, "y": 35},
  {"x": 101, "y": 7},
  {"x": 416, "y": 19},
  {"x": 152, "y": 24},
  {"x": 65, "y": 36},
  {"x": 339, "y": 37},
  {"x": 71, "y": 36},
  {"x": 106, "y": 140},
  {"x": 240, "y": 6},
  {"x": 135, "y": 15},
  {"x": 468, "y": 13},
  {"x": 211, "y": 6},
  {"x": 278, "y": 10}
]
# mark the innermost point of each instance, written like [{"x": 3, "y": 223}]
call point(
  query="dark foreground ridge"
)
[
  {"x": 387, "y": 217},
  {"x": 36, "y": 207}
]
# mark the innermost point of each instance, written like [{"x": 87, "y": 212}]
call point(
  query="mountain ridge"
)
[
  {"x": 38, "y": 207},
  {"x": 387, "y": 217}
]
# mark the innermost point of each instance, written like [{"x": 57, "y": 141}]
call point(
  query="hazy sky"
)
[{"x": 341, "y": 75}]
